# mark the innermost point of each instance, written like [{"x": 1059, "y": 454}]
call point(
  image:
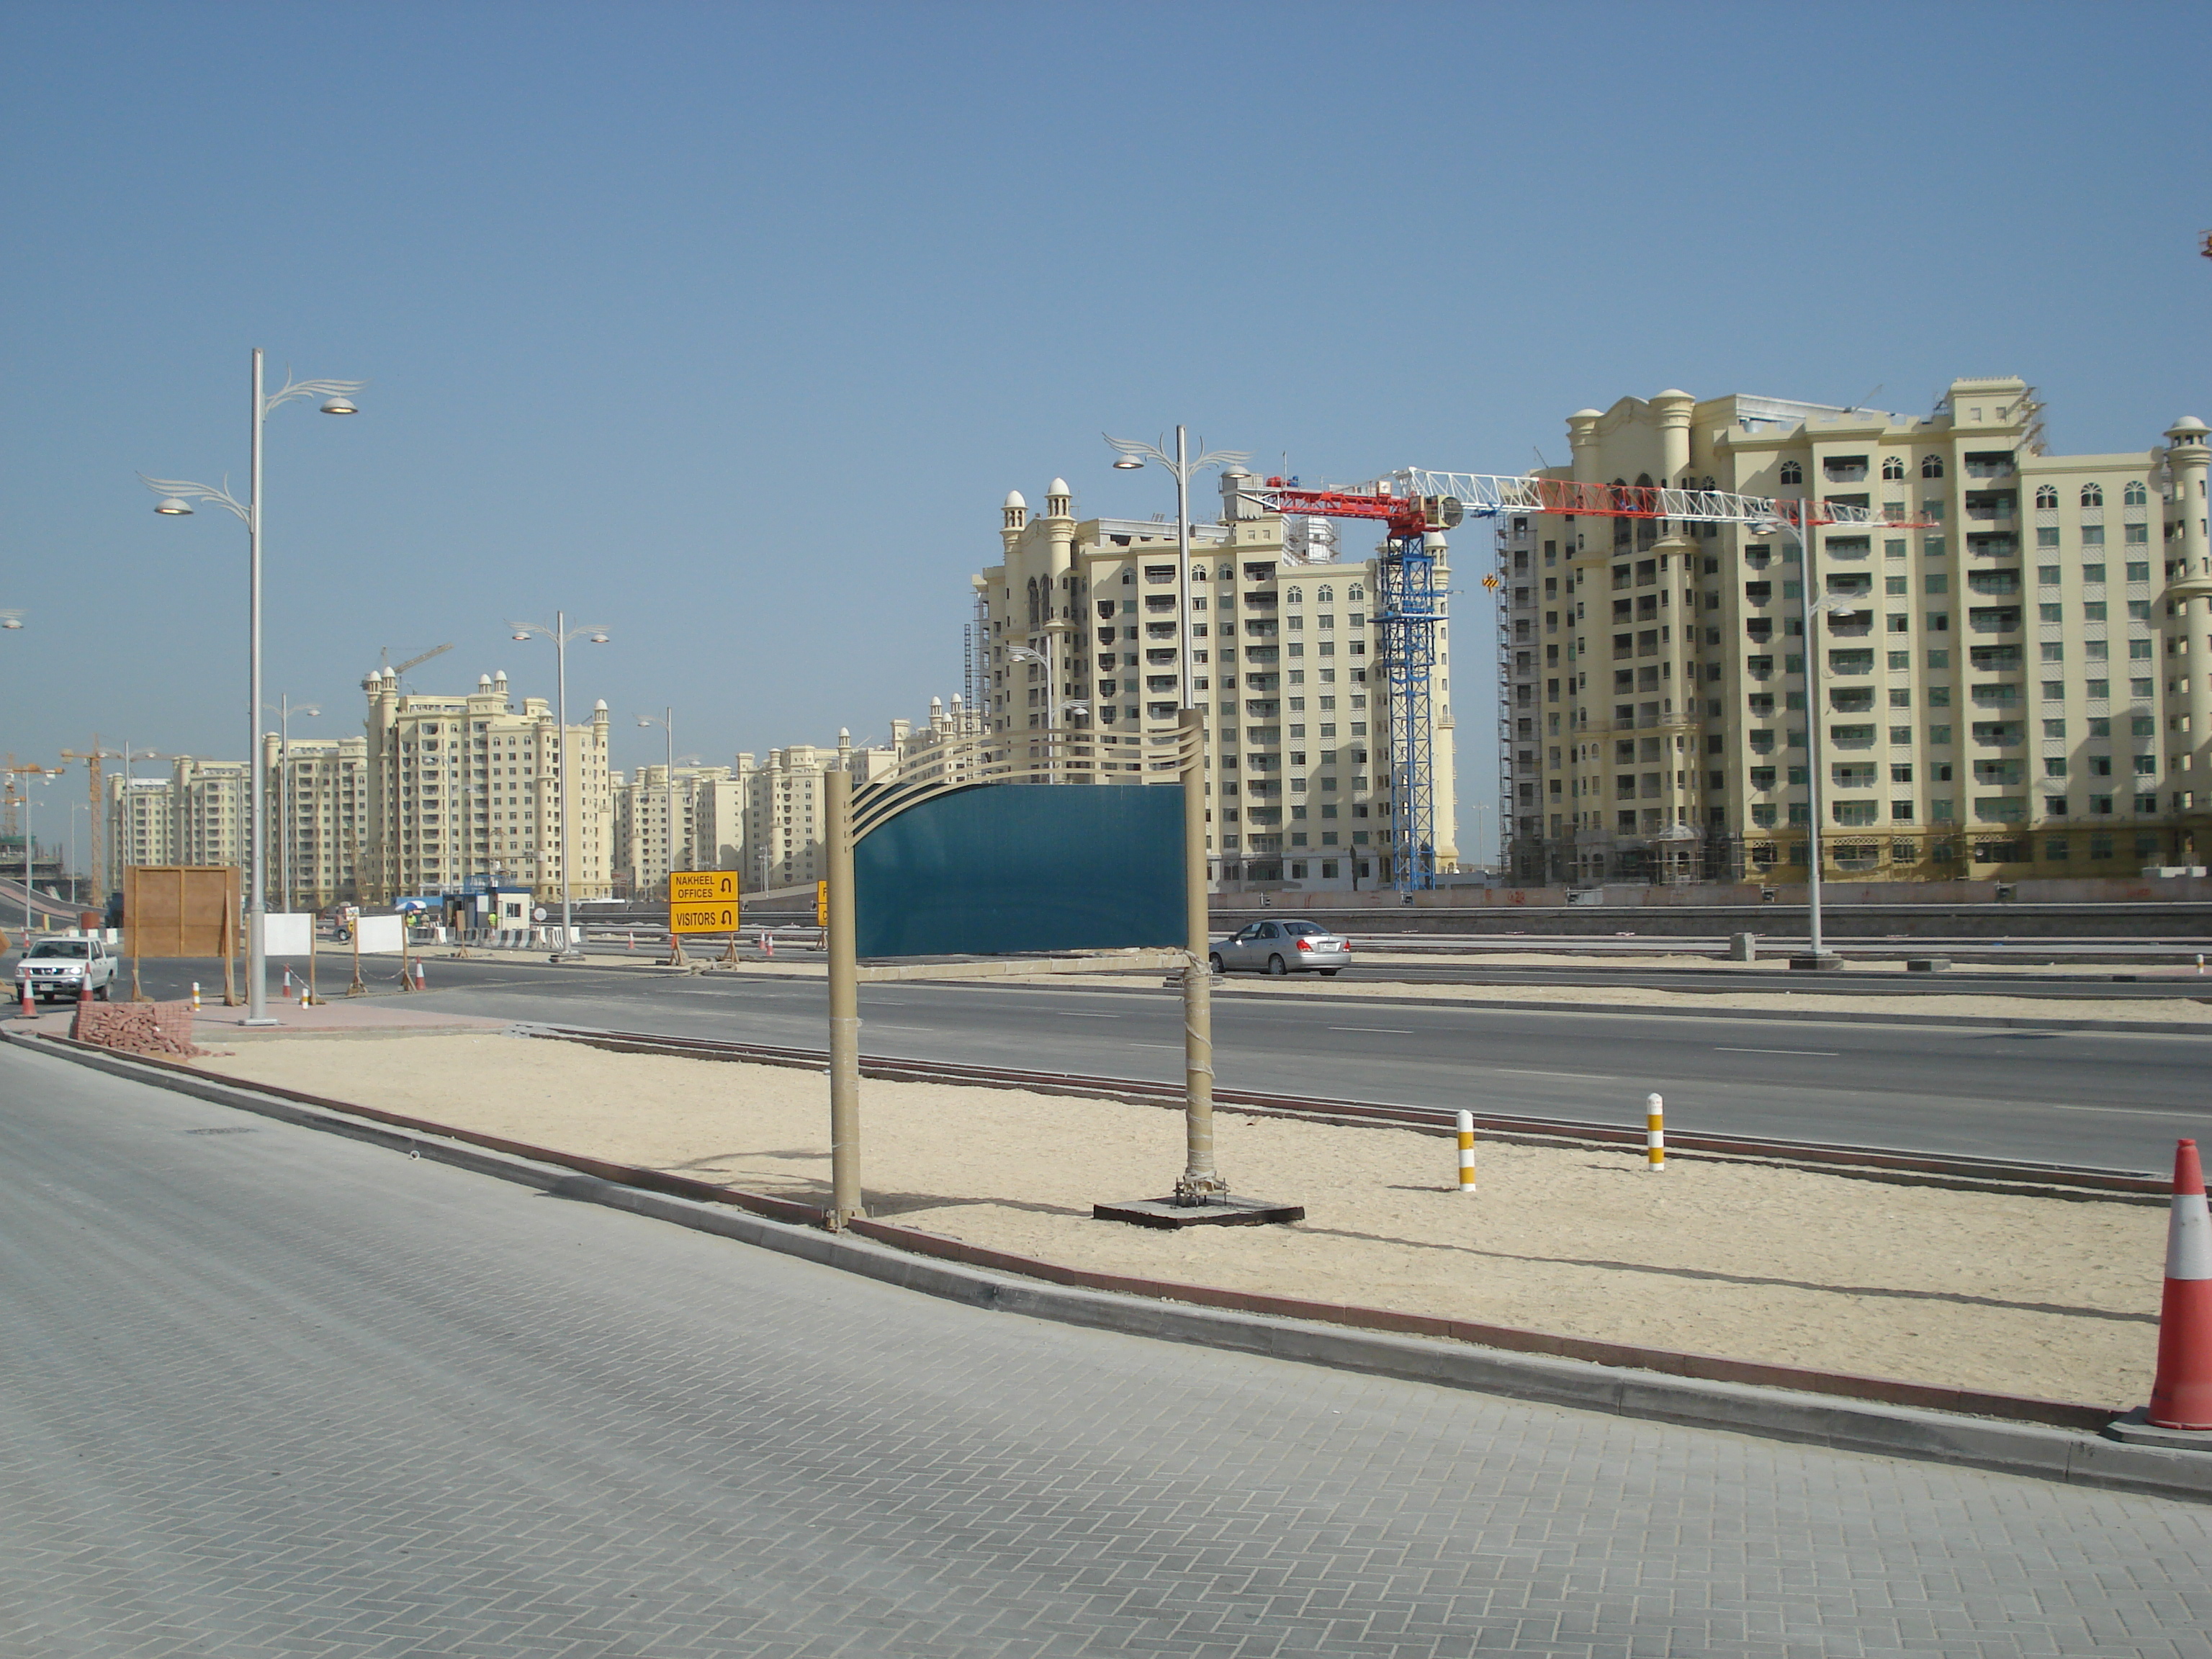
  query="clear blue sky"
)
[{"x": 728, "y": 326}]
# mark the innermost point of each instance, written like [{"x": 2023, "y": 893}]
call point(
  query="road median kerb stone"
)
[{"x": 2060, "y": 1446}]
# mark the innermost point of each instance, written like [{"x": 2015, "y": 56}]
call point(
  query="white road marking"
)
[
  {"x": 1816, "y": 1054},
  {"x": 1395, "y": 1030}
]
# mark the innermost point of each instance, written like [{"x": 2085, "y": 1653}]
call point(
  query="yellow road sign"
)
[
  {"x": 821, "y": 904},
  {"x": 703, "y": 887},
  {"x": 702, "y": 918}
]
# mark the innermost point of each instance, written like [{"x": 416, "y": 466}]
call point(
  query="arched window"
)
[
  {"x": 1643, "y": 480},
  {"x": 1295, "y": 596},
  {"x": 1198, "y": 572},
  {"x": 2046, "y": 495},
  {"x": 2093, "y": 494},
  {"x": 1792, "y": 473},
  {"x": 1325, "y": 596},
  {"x": 1033, "y": 602},
  {"x": 1355, "y": 591},
  {"x": 1931, "y": 466},
  {"x": 1228, "y": 572},
  {"x": 1892, "y": 466},
  {"x": 2135, "y": 495},
  {"x": 1708, "y": 483}
]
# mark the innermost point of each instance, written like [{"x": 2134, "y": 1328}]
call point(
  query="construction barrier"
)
[
  {"x": 1655, "y": 1132},
  {"x": 1466, "y": 1152}
]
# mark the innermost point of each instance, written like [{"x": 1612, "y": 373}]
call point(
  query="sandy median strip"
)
[{"x": 2019, "y": 1295}]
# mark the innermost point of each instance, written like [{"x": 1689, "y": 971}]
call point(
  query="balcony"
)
[
  {"x": 1994, "y": 619},
  {"x": 1852, "y": 737}
]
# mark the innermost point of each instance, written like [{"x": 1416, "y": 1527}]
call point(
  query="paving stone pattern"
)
[{"x": 267, "y": 1394}]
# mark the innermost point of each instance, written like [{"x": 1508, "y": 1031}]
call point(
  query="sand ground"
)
[{"x": 2020, "y": 1295}]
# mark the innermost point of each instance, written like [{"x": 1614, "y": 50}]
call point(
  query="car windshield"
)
[
  {"x": 1297, "y": 929},
  {"x": 59, "y": 947}
]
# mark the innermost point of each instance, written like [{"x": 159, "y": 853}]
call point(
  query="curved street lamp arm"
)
[
  {"x": 293, "y": 388},
  {"x": 199, "y": 492}
]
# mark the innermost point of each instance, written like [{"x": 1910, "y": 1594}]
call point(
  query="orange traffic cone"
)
[
  {"x": 2181, "y": 1398},
  {"x": 30, "y": 1008}
]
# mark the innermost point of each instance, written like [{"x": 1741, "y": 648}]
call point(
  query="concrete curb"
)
[{"x": 2073, "y": 1457}]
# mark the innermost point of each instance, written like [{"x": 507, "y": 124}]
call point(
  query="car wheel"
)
[
  {"x": 1275, "y": 966},
  {"x": 1213, "y": 962},
  {"x": 1329, "y": 973}
]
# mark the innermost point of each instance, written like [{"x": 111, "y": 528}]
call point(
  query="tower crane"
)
[
  {"x": 414, "y": 662},
  {"x": 1417, "y": 506},
  {"x": 95, "y": 861}
]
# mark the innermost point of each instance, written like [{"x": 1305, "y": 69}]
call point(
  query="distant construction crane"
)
[
  {"x": 95, "y": 863},
  {"x": 413, "y": 662},
  {"x": 1417, "y": 506}
]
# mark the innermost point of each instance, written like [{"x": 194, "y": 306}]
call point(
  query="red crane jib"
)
[{"x": 1403, "y": 515}]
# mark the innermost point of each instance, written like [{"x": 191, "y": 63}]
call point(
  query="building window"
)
[
  {"x": 2093, "y": 494},
  {"x": 1792, "y": 473},
  {"x": 1931, "y": 466},
  {"x": 2046, "y": 497},
  {"x": 2134, "y": 495},
  {"x": 1892, "y": 466}
]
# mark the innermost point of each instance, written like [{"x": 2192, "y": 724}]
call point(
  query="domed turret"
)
[{"x": 1058, "y": 500}]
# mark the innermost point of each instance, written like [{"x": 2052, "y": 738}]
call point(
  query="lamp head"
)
[
  {"x": 1128, "y": 464},
  {"x": 174, "y": 506},
  {"x": 12, "y": 621},
  {"x": 340, "y": 406},
  {"x": 598, "y": 639},
  {"x": 520, "y": 633}
]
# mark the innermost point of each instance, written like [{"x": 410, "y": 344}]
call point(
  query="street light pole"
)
[
  {"x": 1134, "y": 455},
  {"x": 1817, "y": 954},
  {"x": 667, "y": 724},
  {"x": 564, "y": 774},
  {"x": 286, "y": 863},
  {"x": 178, "y": 495}
]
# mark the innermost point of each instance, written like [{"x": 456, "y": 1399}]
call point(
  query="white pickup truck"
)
[{"x": 56, "y": 969}]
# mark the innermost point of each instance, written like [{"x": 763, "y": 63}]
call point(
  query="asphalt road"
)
[
  {"x": 2101, "y": 1099},
  {"x": 269, "y": 1394}
]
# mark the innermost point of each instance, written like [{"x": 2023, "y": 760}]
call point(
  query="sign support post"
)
[
  {"x": 845, "y": 1203},
  {"x": 1200, "y": 1182}
]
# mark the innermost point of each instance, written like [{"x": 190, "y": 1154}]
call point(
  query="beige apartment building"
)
[
  {"x": 141, "y": 822},
  {"x": 318, "y": 799},
  {"x": 2006, "y": 688},
  {"x": 1282, "y": 659},
  {"x": 709, "y": 822},
  {"x": 196, "y": 815},
  {"x": 463, "y": 790}
]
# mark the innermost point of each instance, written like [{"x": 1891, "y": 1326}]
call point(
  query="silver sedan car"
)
[{"x": 1284, "y": 947}]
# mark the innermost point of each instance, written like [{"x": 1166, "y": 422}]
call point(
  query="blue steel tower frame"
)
[{"x": 1408, "y": 607}]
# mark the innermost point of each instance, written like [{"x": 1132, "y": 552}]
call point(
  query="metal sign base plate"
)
[{"x": 1166, "y": 1212}]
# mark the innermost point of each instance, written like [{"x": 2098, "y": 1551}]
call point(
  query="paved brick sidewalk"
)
[{"x": 265, "y": 1392}]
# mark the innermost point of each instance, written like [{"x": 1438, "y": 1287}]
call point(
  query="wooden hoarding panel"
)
[{"x": 179, "y": 910}]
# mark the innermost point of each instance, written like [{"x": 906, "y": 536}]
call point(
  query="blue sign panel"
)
[{"x": 1008, "y": 867}]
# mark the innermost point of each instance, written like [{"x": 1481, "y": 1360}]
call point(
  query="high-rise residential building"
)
[
  {"x": 462, "y": 790},
  {"x": 2009, "y": 687},
  {"x": 318, "y": 799},
  {"x": 1092, "y": 625},
  {"x": 141, "y": 822},
  {"x": 209, "y": 801},
  {"x": 710, "y": 819}
]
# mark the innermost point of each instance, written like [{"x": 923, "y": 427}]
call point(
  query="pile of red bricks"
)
[{"x": 138, "y": 1028}]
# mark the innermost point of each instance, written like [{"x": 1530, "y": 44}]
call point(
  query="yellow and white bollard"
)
[
  {"x": 1467, "y": 1151},
  {"x": 1655, "y": 1132},
  {"x": 196, "y": 996}
]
